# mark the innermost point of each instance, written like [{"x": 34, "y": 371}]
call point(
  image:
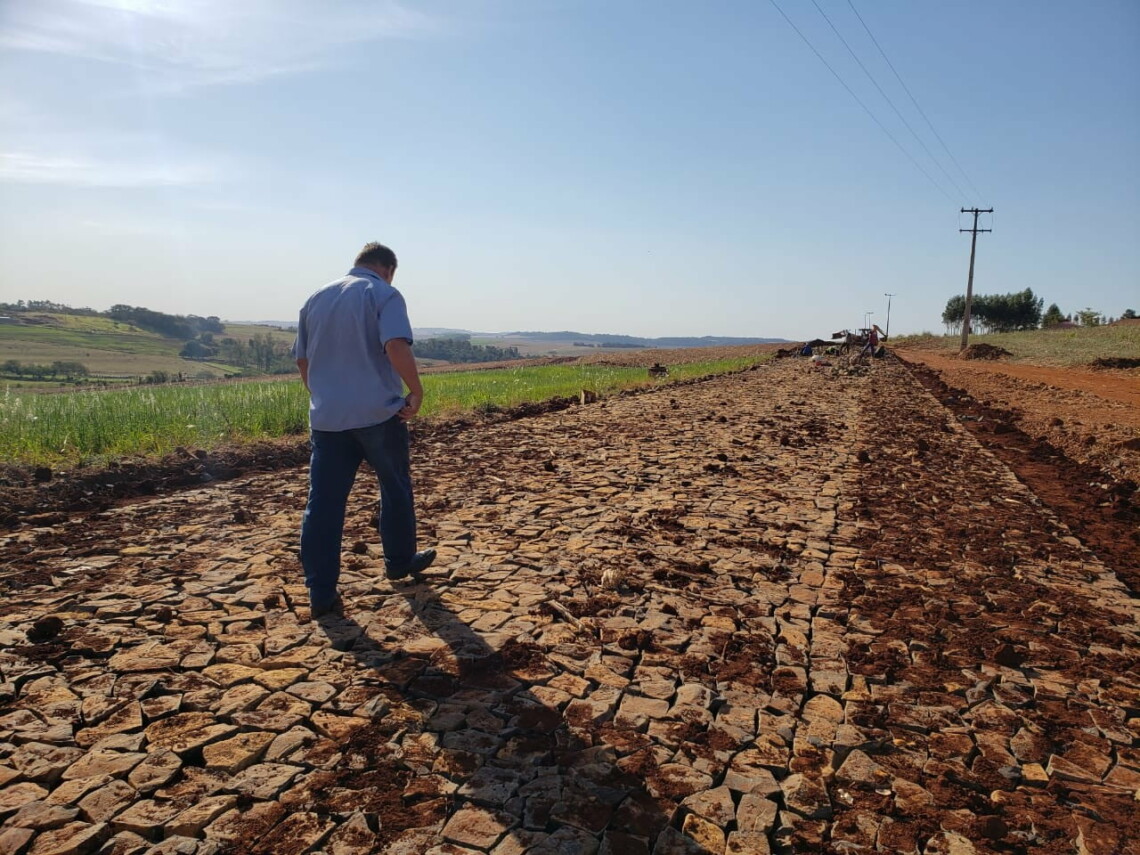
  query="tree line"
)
[
  {"x": 458, "y": 349},
  {"x": 995, "y": 312},
  {"x": 608, "y": 344},
  {"x": 39, "y": 371},
  {"x": 1087, "y": 317},
  {"x": 47, "y": 306},
  {"x": 262, "y": 354},
  {"x": 1020, "y": 310},
  {"x": 184, "y": 327}
]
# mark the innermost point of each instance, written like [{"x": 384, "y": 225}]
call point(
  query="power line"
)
[
  {"x": 887, "y": 98},
  {"x": 922, "y": 113},
  {"x": 859, "y": 101}
]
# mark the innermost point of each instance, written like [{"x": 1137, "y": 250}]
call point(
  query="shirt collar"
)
[{"x": 364, "y": 271}]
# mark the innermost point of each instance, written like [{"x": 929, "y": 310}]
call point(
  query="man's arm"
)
[
  {"x": 303, "y": 367},
  {"x": 400, "y": 355}
]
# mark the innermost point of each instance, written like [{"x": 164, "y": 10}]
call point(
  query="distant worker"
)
[
  {"x": 354, "y": 351},
  {"x": 872, "y": 345}
]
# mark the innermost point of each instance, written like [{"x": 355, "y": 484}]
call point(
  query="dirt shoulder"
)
[
  {"x": 1077, "y": 449},
  {"x": 1092, "y": 416}
]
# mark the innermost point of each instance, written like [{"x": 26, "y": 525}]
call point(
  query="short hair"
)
[{"x": 377, "y": 254}]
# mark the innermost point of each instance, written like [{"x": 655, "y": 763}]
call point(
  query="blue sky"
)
[{"x": 651, "y": 168}]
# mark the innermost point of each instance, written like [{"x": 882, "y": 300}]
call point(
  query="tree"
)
[
  {"x": 172, "y": 326},
  {"x": 261, "y": 346},
  {"x": 13, "y": 367},
  {"x": 70, "y": 370},
  {"x": 1052, "y": 316},
  {"x": 995, "y": 312},
  {"x": 234, "y": 351},
  {"x": 460, "y": 349},
  {"x": 1129, "y": 315},
  {"x": 197, "y": 350},
  {"x": 954, "y": 313},
  {"x": 1008, "y": 312},
  {"x": 1089, "y": 317}
]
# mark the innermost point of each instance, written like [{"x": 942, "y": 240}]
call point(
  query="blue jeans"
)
[{"x": 336, "y": 457}]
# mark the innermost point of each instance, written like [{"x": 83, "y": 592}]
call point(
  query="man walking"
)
[{"x": 354, "y": 351}]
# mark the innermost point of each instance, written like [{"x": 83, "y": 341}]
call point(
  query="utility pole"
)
[
  {"x": 970, "y": 281},
  {"x": 887, "y": 333}
]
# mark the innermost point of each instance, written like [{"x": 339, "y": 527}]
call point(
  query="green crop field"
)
[
  {"x": 1068, "y": 348},
  {"x": 89, "y": 427}
]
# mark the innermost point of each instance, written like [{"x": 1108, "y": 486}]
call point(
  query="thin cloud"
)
[
  {"x": 191, "y": 43},
  {"x": 24, "y": 167},
  {"x": 113, "y": 225}
]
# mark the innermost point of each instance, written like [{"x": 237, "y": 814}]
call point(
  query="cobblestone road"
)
[{"x": 783, "y": 610}]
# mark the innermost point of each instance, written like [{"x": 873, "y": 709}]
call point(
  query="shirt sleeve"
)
[
  {"x": 300, "y": 344},
  {"x": 393, "y": 320}
]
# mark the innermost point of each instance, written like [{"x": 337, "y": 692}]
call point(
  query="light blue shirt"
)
[{"x": 342, "y": 331}]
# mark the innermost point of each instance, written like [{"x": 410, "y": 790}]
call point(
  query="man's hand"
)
[
  {"x": 412, "y": 404},
  {"x": 400, "y": 354},
  {"x": 303, "y": 367}
]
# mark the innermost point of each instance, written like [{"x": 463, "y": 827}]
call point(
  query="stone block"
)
[
  {"x": 146, "y": 818},
  {"x": 232, "y": 755},
  {"x": 102, "y": 761},
  {"x": 43, "y": 763},
  {"x": 298, "y": 832},
  {"x": 15, "y": 796},
  {"x": 747, "y": 843},
  {"x": 192, "y": 821},
  {"x": 477, "y": 827},
  {"x": 78, "y": 838},
  {"x": 187, "y": 731},
  {"x": 715, "y": 805},
  {"x": 807, "y": 796},
  {"x": 708, "y": 836},
  {"x": 265, "y": 780},
  {"x": 157, "y": 770}
]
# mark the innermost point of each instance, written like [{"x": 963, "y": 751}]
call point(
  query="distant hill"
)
[
  {"x": 51, "y": 343},
  {"x": 43, "y": 342},
  {"x": 570, "y": 343},
  {"x": 602, "y": 339},
  {"x": 562, "y": 337},
  {"x": 443, "y": 332},
  {"x": 284, "y": 325}
]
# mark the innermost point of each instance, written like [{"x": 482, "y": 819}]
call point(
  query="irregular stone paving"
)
[{"x": 783, "y": 610}]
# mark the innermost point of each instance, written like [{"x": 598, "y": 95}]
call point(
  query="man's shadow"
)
[{"x": 500, "y": 757}]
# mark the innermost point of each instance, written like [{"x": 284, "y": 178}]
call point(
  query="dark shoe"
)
[
  {"x": 420, "y": 562},
  {"x": 333, "y": 609}
]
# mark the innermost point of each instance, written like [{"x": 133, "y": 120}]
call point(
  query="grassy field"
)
[
  {"x": 1069, "y": 348},
  {"x": 92, "y": 426},
  {"x": 244, "y": 332},
  {"x": 530, "y": 348},
  {"x": 112, "y": 349}
]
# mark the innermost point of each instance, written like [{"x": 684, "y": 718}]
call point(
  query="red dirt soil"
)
[{"x": 1092, "y": 417}]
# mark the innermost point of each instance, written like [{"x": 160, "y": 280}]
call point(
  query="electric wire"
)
[
  {"x": 913, "y": 100},
  {"x": 887, "y": 98},
  {"x": 859, "y": 101}
]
